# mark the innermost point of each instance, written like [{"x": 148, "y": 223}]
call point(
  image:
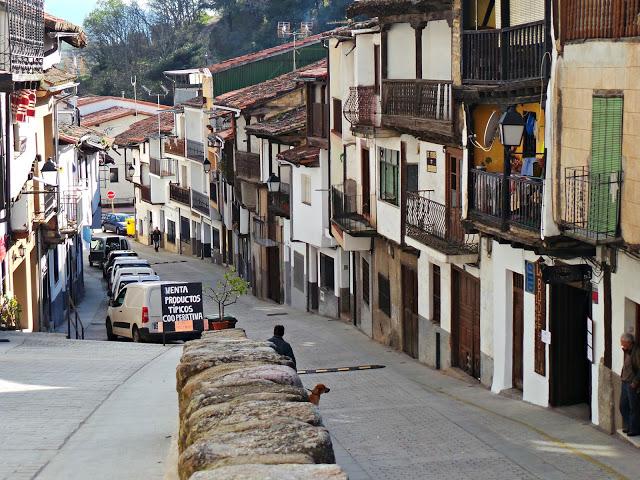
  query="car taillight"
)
[{"x": 145, "y": 314}]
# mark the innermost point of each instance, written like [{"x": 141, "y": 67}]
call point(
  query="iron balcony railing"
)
[
  {"x": 501, "y": 55},
  {"x": 200, "y": 202},
  {"x": 163, "y": 167},
  {"x": 351, "y": 212},
  {"x": 175, "y": 146},
  {"x": 265, "y": 231},
  {"x": 195, "y": 151},
  {"x": 360, "y": 108},
  {"x": 145, "y": 193},
  {"x": 70, "y": 211},
  {"x": 524, "y": 199},
  {"x": 23, "y": 39},
  {"x": 592, "y": 204},
  {"x": 180, "y": 194},
  {"x": 435, "y": 224},
  {"x": 47, "y": 206},
  {"x": 279, "y": 202},
  {"x": 424, "y": 99},
  {"x": 248, "y": 166}
]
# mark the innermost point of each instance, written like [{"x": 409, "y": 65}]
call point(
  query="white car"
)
[
  {"x": 124, "y": 280},
  {"x": 124, "y": 263},
  {"x": 128, "y": 271},
  {"x": 136, "y": 313}
]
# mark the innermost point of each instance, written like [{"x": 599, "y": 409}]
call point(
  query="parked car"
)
[
  {"x": 137, "y": 312},
  {"x": 128, "y": 271},
  {"x": 122, "y": 281},
  {"x": 112, "y": 257},
  {"x": 115, "y": 222},
  {"x": 102, "y": 246},
  {"x": 124, "y": 262}
]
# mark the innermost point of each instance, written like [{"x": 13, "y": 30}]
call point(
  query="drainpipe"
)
[{"x": 328, "y": 125}]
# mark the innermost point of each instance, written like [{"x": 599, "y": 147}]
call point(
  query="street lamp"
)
[
  {"x": 273, "y": 183},
  {"x": 511, "y": 131},
  {"x": 206, "y": 165},
  {"x": 131, "y": 170},
  {"x": 49, "y": 172}
]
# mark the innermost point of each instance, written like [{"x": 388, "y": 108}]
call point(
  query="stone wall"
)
[{"x": 245, "y": 414}]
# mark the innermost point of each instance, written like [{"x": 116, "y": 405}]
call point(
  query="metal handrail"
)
[{"x": 77, "y": 322}]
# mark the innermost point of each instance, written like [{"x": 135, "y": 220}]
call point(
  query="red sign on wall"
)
[{"x": 111, "y": 194}]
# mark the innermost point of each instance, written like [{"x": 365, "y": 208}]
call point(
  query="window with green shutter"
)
[{"x": 605, "y": 168}]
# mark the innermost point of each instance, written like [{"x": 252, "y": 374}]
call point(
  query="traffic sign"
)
[{"x": 111, "y": 194}]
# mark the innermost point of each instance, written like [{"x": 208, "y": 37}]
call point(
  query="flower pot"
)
[{"x": 216, "y": 324}]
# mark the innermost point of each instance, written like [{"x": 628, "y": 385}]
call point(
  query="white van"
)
[
  {"x": 127, "y": 262},
  {"x": 128, "y": 271},
  {"x": 124, "y": 280},
  {"x": 137, "y": 313}
]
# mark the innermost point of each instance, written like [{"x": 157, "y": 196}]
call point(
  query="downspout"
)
[{"x": 328, "y": 125}]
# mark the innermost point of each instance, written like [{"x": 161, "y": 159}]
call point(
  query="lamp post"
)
[
  {"x": 131, "y": 171},
  {"x": 49, "y": 173},
  {"x": 206, "y": 165},
  {"x": 511, "y": 131},
  {"x": 273, "y": 183}
]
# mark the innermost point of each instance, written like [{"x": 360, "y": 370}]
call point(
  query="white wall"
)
[
  {"x": 401, "y": 52},
  {"x": 436, "y": 51}
]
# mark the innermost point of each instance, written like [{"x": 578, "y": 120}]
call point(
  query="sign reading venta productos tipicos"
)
[{"x": 182, "y": 301}]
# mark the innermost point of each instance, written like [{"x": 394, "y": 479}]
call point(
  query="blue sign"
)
[{"x": 529, "y": 277}]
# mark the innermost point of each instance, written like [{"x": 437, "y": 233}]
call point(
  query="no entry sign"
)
[
  {"x": 111, "y": 194},
  {"x": 182, "y": 301}
]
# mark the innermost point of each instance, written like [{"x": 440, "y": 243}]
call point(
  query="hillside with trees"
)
[{"x": 127, "y": 39}]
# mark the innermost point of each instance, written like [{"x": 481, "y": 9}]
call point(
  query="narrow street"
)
[{"x": 98, "y": 410}]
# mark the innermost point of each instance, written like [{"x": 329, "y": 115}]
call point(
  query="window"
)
[
  {"x": 435, "y": 294},
  {"x": 56, "y": 265},
  {"x": 384, "y": 295},
  {"x": 185, "y": 229},
  {"x": 305, "y": 189},
  {"x": 298, "y": 271},
  {"x": 171, "y": 231},
  {"x": 365, "y": 282},
  {"x": 118, "y": 302},
  {"x": 337, "y": 115},
  {"x": 389, "y": 165},
  {"x": 113, "y": 175},
  {"x": 327, "y": 273},
  {"x": 216, "y": 239},
  {"x": 213, "y": 192},
  {"x": 412, "y": 177}
]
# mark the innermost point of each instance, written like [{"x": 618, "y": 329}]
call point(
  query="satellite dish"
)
[{"x": 491, "y": 131}]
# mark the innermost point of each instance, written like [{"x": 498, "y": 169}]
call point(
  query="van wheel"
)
[
  {"x": 110, "y": 336},
  {"x": 135, "y": 334}
]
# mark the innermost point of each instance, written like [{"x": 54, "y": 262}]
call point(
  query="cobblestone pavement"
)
[{"x": 407, "y": 421}]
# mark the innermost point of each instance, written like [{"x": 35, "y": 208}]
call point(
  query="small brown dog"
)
[{"x": 319, "y": 389}]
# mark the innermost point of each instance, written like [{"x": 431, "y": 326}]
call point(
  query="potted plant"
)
[
  {"x": 10, "y": 313},
  {"x": 226, "y": 292}
]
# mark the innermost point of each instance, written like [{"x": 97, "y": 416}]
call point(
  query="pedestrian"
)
[
  {"x": 155, "y": 237},
  {"x": 281, "y": 346},
  {"x": 630, "y": 395}
]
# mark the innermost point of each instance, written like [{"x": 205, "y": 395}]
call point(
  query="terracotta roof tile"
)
[
  {"x": 262, "y": 54},
  {"x": 55, "y": 76},
  {"x": 74, "y": 134},
  {"x": 107, "y": 115},
  {"x": 140, "y": 131},
  {"x": 320, "y": 72},
  {"x": 55, "y": 24},
  {"x": 89, "y": 99},
  {"x": 281, "y": 124},
  {"x": 304, "y": 155},
  {"x": 255, "y": 95}
]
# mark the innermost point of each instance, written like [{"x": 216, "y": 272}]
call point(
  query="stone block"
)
[{"x": 273, "y": 472}]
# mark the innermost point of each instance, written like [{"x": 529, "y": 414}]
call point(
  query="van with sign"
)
[{"x": 157, "y": 311}]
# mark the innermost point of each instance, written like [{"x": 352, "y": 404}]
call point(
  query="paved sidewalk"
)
[{"x": 410, "y": 422}]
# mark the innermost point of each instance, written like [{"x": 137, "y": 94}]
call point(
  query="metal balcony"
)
[
  {"x": 180, "y": 194},
  {"x": 360, "y": 108},
  {"x": 163, "y": 167},
  {"x": 195, "y": 151},
  {"x": 200, "y": 202},
  {"x": 351, "y": 213}
]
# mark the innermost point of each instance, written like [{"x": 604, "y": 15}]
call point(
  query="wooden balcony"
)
[
  {"x": 418, "y": 105},
  {"x": 361, "y": 107},
  {"x": 248, "y": 166},
  {"x": 436, "y": 225},
  {"x": 145, "y": 193},
  {"x": 279, "y": 203},
  {"x": 504, "y": 55},
  {"x": 180, "y": 194},
  {"x": 163, "y": 167},
  {"x": 175, "y": 146},
  {"x": 265, "y": 232},
  {"x": 22, "y": 52},
  {"x": 599, "y": 19}
]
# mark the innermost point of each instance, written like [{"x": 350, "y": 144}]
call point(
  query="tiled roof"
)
[
  {"x": 396, "y": 7},
  {"x": 107, "y": 115},
  {"x": 345, "y": 30},
  {"x": 89, "y": 99},
  {"x": 140, "y": 131},
  {"x": 316, "y": 72},
  {"x": 262, "y": 54},
  {"x": 196, "y": 102},
  {"x": 255, "y": 95},
  {"x": 304, "y": 155},
  {"x": 228, "y": 134},
  {"x": 75, "y": 134},
  {"x": 281, "y": 124},
  {"x": 55, "y": 76},
  {"x": 55, "y": 24}
]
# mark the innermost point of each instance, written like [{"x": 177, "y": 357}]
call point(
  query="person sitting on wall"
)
[
  {"x": 281, "y": 346},
  {"x": 629, "y": 395}
]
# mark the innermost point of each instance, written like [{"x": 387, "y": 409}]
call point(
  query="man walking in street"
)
[
  {"x": 281, "y": 346},
  {"x": 155, "y": 237},
  {"x": 630, "y": 376}
]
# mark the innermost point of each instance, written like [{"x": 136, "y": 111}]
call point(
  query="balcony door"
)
[
  {"x": 454, "y": 194},
  {"x": 366, "y": 184}
]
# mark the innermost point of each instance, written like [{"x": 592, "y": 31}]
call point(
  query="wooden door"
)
[
  {"x": 466, "y": 323},
  {"x": 366, "y": 184},
  {"x": 410, "y": 311},
  {"x": 518, "y": 330},
  {"x": 273, "y": 259},
  {"x": 570, "y": 369},
  {"x": 453, "y": 199}
]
